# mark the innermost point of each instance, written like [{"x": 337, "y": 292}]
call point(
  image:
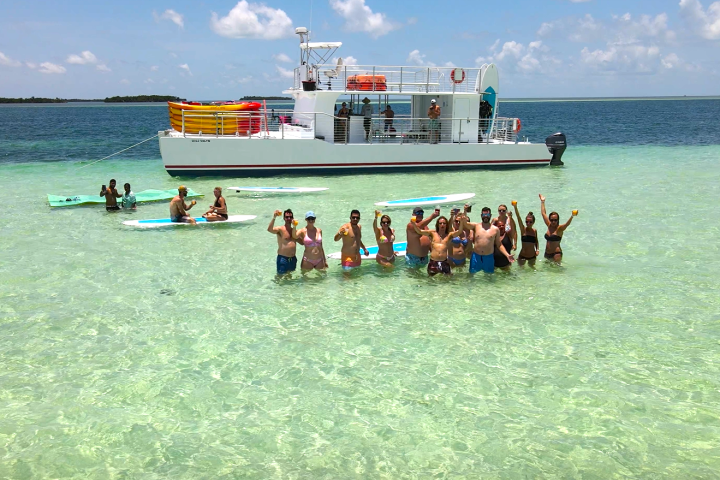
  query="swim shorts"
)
[
  {"x": 486, "y": 263},
  {"x": 349, "y": 262},
  {"x": 413, "y": 261},
  {"x": 286, "y": 264},
  {"x": 177, "y": 218},
  {"x": 435, "y": 267},
  {"x": 113, "y": 208}
]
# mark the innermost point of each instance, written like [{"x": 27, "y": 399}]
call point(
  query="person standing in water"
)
[
  {"x": 439, "y": 246},
  {"x": 501, "y": 261},
  {"x": 311, "y": 238},
  {"x": 385, "y": 237},
  {"x": 128, "y": 198},
  {"x": 460, "y": 244},
  {"x": 486, "y": 238},
  {"x": 111, "y": 195},
  {"x": 178, "y": 207},
  {"x": 418, "y": 246},
  {"x": 218, "y": 211},
  {"x": 510, "y": 226},
  {"x": 530, "y": 248},
  {"x": 286, "y": 260},
  {"x": 351, "y": 235},
  {"x": 554, "y": 233}
]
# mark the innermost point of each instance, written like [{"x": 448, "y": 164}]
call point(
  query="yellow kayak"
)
[{"x": 252, "y": 106}]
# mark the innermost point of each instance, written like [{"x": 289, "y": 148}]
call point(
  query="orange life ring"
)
[
  {"x": 452, "y": 76},
  {"x": 518, "y": 126}
]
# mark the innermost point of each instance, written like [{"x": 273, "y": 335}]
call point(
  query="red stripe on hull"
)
[{"x": 378, "y": 164}]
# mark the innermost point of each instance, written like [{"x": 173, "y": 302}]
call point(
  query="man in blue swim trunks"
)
[
  {"x": 418, "y": 246},
  {"x": 286, "y": 260},
  {"x": 486, "y": 240},
  {"x": 179, "y": 209}
]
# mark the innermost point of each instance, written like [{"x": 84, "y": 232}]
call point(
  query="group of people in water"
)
[{"x": 454, "y": 243}]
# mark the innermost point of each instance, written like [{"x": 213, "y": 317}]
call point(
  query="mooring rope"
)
[{"x": 128, "y": 148}]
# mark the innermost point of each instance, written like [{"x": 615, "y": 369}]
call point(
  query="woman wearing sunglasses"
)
[
  {"x": 461, "y": 243},
  {"x": 510, "y": 227},
  {"x": 385, "y": 237},
  {"x": 554, "y": 233},
  {"x": 440, "y": 237},
  {"x": 311, "y": 237},
  {"x": 530, "y": 248}
]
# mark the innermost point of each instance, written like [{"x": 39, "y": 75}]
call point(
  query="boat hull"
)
[{"x": 252, "y": 157}]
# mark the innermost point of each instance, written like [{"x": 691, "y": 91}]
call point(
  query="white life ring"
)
[{"x": 457, "y": 72}]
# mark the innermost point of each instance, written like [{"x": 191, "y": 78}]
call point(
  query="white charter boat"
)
[{"x": 317, "y": 137}]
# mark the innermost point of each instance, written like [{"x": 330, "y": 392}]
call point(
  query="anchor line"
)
[{"x": 116, "y": 153}]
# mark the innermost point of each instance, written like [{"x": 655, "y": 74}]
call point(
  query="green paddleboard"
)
[{"x": 140, "y": 197}]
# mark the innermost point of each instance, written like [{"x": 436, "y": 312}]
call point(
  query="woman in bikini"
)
[
  {"x": 439, "y": 248},
  {"x": 459, "y": 243},
  {"x": 554, "y": 233},
  {"x": 385, "y": 237},
  {"x": 218, "y": 211},
  {"x": 510, "y": 227},
  {"x": 530, "y": 248},
  {"x": 311, "y": 237},
  {"x": 501, "y": 261}
]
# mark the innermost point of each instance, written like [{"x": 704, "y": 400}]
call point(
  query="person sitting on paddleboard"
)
[
  {"x": 554, "y": 233},
  {"x": 311, "y": 237},
  {"x": 418, "y": 246},
  {"x": 351, "y": 235},
  {"x": 385, "y": 237},
  {"x": 486, "y": 238},
  {"x": 178, "y": 207},
  {"x": 111, "y": 195},
  {"x": 440, "y": 238},
  {"x": 286, "y": 261},
  {"x": 128, "y": 198},
  {"x": 218, "y": 210}
]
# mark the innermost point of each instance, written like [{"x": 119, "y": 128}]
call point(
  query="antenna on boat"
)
[{"x": 311, "y": 2}]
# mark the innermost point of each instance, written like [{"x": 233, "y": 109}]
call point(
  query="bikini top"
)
[
  {"x": 217, "y": 202},
  {"x": 529, "y": 238},
  {"x": 553, "y": 238},
  {"x": 309, "y": 242},
  {"x": 458, "y": 240}
]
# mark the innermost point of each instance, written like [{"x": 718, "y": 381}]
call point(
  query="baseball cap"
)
[
  {"x": 310, "y": 214},
  {"x": 432, "y": 101},
  {"x": 418, "y": 210}
]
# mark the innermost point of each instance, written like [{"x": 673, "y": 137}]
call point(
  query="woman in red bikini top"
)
[{"x": 311, "y": 237}]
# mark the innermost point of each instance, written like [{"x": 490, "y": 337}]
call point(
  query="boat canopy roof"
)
[{"x": 320, "y": 45}]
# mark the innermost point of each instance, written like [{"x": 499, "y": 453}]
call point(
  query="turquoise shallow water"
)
[{"x": 177, "y": 354}]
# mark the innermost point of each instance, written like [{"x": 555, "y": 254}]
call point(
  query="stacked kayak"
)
[
  {"x": 141, "y": 197},
  {"x": 236, "y": 119}
]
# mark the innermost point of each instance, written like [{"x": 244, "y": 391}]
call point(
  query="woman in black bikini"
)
[
  {"x": 218, "y": 210},
  {"x": 554, "y": 233},
  {"x": 501, "y": 261},
  {"x": 530, "y": 248}
]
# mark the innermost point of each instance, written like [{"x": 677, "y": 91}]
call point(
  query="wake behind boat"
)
[{"x": 453, "y": 124}]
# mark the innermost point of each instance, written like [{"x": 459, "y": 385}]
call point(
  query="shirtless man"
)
[
  {"x": 434, "y": 115},
  {"x": 486, "y": 241},
  {"x": 111, "y": 195},
  {"x": 178, "y": 207},
  {"x": 351, "y": 235},
  {"x": 439, "y": 248},
  {"x": 418, "y": 246},
  {"x": 286, "y": 260}
]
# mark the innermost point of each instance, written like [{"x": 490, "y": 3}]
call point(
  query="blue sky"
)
[{"x": 226, "y": 49}]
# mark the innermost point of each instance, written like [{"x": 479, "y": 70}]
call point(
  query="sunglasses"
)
[
  {"x": 554, "y": 219},
  {"x": 502, "y": 211},
  {"x": 310, "y": 219},
  {"x": 384, "y": 223},
  {"x": 354, "y": 218},
  {"x": 288, "y": 217}
]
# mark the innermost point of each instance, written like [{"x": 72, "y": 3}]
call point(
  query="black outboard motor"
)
[{"x": 556, "y": 144}]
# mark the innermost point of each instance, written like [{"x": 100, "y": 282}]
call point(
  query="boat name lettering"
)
[{"x": 201, "y": 141}]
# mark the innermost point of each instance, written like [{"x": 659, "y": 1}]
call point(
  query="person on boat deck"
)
[
  {"x": 389, "y": 115},
  {"x": 510, "y": 226},
  {"x": 286, "y": 261},
  {"x": 111, "y": 195},
  {"x": 351, "y": 235},
  {"x": 311, "y": 237},
  {"x": 367, "y": 112},
  {"x": 486, "y": 238},
  {"x": 461, "y": 243},
  {"x": 418, "y": 246},
  {"x": 440, "y": 238},
  {"x": 343, "y": 115},
  {"x": 554, "y": 233},
  {"x": 385, "y": 237},
  {"x": 178, "y": 207},
  {"x": 434, "y": 115},
  {"x": 218, "y": 211},
  {"x": 128, "y": 198},
  {"x": 501, "y": 261},
  {"x": 529, "y": 249}
]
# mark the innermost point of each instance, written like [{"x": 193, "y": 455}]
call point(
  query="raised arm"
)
[
  {"x": 542, "y": 210},
  {"x": 375, "y": 227},
  {"x": 562, "y": 227},
  {"x": 297, "y": 234},
  {"x": 449, "y": 237},
  {"x": 271, "y": 227},
  {"x": 422, "y": 232},
  {"x": 520, "y": 221},
  {"x": 340, "y": 233},
  {"x": 513, "y": 232},
  {"x": 427, "y": 221}
]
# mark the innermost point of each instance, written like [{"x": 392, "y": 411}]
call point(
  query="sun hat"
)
[
  {"x": 309, "y": 214},
  {"x": 366, "y": 100},
  {"x": 432, "y": 101}
]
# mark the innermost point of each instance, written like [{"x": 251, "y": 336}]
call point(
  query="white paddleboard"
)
[
  {"x": 165, "y": 222},
  {"x": 398, "y": 246},
  {"x": 424, "y": 201},
  {"x": 277, "y": 189}
]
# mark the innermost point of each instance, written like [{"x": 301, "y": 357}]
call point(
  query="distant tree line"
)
[
  {"x": 138, "y": 98},
  {"x": 42, "y": 100},
  {"x": 251, "y": 97},
  {"x": 144, "y": 98}
]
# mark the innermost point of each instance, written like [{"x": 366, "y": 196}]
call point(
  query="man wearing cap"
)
[
  {"x": 178, "y": 207},
  {"x": 367, "y": 111},
  {"x": 434, "y": 115},
  {"x": 343, "y": 116},
  {"x": 418, "y": 246}
]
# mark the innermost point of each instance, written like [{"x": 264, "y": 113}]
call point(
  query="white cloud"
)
[
  {"x": 173, "y": 55},
  {"x": 103, "y": 68},
  {"x": 281, "y": 57},
  {"x": 185, "y": 67},
  {"x": 154, "y": 68},
  {"x": 284, "y": 73},
  {"x": 516, "y": 56},
  {"x": 349, "y": 60},
  {"x": 622, "y": 58},
  {"x": 82, "y": 59},
  {"x": 47, "y": 67},
  {"x": 252, "y": 20},
  {"x": 416, "y": 58},
  {"x": 125, "y": 81},
  {"x": 412, "y": 20},
  {"x": 705, "y": 24},
  {"x": 360, "y": 18},
  {"x": 171, "y": 15},
  {"x": 8, "y": 62},
  {"x": 31, "y": 65},
  {"x": 245, "y": 79},
  {"x": 449, "y": 65},
  {"x": 149, "y": 80},
  {"x": 670, "y": 61}
]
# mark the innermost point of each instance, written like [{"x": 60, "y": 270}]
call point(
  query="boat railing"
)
[{"x": 379, "y": 79}]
